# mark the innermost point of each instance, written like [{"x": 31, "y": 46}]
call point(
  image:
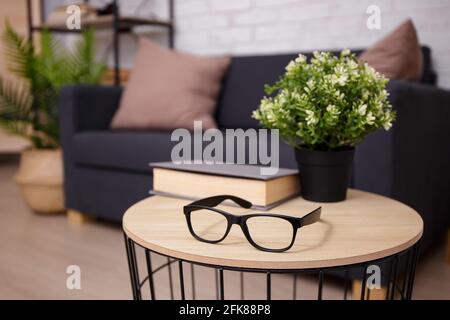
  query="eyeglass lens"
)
[
  {"x": 270, "y": 232},
  {"x": 208, "y": 224}
]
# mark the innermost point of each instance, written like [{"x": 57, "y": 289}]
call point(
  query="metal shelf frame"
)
[{"x": 118, "y": 25}]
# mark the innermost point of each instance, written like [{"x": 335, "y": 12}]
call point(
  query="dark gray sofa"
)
[{"x": 107, "y": 171}]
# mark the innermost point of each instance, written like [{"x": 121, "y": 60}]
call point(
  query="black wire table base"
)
[{"x": 397, "y": 274}]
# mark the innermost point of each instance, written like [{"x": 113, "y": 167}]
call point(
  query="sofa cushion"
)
[
  {"x": 130, "y": 150},
  {"x": 133, "y": 150},
  {"x": 169, "y": 89},
  {"x": 398, "y": 55}
]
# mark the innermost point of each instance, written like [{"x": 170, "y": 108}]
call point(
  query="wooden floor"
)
[
  {"x": 10, "y": 144},
  {"x": 36, "y": 250}
]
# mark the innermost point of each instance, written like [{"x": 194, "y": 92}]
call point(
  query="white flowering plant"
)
[{"x": 330, "y": 103}]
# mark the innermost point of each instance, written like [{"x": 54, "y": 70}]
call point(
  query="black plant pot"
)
[{"x": 324, "y": 175}]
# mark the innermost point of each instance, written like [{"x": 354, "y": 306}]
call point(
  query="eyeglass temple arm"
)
[
  {"x": 215, "y": 200},
  {"x": 311, "y": 217}
]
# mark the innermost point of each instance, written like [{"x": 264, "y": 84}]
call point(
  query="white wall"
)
[{"x": 270, "y": 26}]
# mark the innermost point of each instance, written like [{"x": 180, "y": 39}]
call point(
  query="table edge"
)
[{"x": 273, "y": 265}]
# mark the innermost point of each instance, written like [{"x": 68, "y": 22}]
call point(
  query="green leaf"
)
[
  {"x": 15, "y": 107},
  {"x": 30, "y": 107},
  {"x": 330, "y": 103},
  {"x": 19, "y": 53}
]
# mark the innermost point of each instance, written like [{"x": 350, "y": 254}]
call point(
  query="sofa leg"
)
[
  {"x": 78, "y": 218},
  {"x": 371, "y": 294}
]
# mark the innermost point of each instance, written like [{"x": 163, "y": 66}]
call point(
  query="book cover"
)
[{"x": 225, "y": 169}]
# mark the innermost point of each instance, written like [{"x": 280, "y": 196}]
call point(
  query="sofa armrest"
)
[
  {"x": 87, "y": 107},
  {"x": 411, "y": 162},
  {"x": 81, "y": 108}
]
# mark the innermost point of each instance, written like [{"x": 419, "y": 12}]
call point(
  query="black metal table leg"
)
[
  {"x": 394, "y": 279},
  {"x": 294, "y": 287},
  {"x": 193, "y": 281},
  {"x": 216, "y": 278},
  {"x": 413, "y": 270},
  {"x": 221, "y": 285},
  {"x": 169, "y": 269},
  {"x": 347, "y": 284},
  {"x": 363, "y": 283},
  {"x": 406, "y": 275},
  {"x": 130, "y": 266},
  {"x": 135, "y": 269},
  {"x": 241, "y": 276},
  {"x": 320, "y": 289},
  {"x": 150, "y": 274},
  {"x": 180, "y": 266}
]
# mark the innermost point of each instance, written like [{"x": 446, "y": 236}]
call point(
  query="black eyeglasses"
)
[{"x": 212, "y": 225}]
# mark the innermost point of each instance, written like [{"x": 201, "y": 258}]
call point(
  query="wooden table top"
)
[{"x": 363, "y": 228}]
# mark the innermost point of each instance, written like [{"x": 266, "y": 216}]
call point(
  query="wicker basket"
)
[{"x": 40, "y": 178}]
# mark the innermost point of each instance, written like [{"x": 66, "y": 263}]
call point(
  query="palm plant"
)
[{"x": 28, "y": 105}]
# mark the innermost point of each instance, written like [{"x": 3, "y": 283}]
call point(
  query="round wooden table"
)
[{"x": 365, "y": 229}]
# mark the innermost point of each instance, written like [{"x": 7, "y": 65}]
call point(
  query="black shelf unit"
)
[{"x": 115, "y": 22}]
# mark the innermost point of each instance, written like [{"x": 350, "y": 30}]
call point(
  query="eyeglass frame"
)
[{"x": 210, "y": 202}]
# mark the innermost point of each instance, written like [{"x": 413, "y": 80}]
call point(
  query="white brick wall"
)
[
  {"x": 271, "y": 26},
  {"x": 245, "y": 27}
]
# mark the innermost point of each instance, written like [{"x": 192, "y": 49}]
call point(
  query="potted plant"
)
[
  {"x": 324, "y": 108},
  {"x": 28, "y": 107}
]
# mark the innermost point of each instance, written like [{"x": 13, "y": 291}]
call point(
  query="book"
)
[{"x": 196, "y": 181}]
